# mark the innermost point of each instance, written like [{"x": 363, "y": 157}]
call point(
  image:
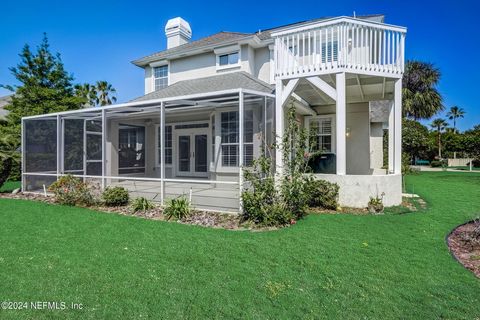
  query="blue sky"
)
[{"x": 98, "y": 39}]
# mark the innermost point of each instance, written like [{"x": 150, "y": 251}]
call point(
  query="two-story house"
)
[{"x": 214, "y": 104}]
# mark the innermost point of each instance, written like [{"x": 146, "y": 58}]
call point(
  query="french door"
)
[{"x": 192, "y": 152}]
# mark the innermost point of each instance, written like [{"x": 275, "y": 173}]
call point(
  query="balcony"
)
[{"x": 340, "y": 45}]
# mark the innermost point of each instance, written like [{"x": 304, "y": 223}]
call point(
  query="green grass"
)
[
  {"x": 326, "y": 266},
  {"x": 467, "y": 168},
  {"x": 9, "y": 186}
]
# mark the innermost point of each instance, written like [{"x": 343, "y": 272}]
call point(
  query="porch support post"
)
[
  {"x": 22, "y": 128},
  {"x": 398, "y": 126},
  {"x": 59, "y": 145},
  {"x": 104, "y": 144},
  {"x": 162, "y": 153},
  {"x": 279, "y": 126},
  {"x": 391, "y": 137},
  {"x": 341, "y": 125},
  {"x": 240, "y": 147}
]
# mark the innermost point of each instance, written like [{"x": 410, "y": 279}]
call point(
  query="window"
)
[
  {"x": 321, "y": 130},
  {"x": 229, "y": 133},
  {"x": 327, "y": 50},
  {"x": 161, "y": 77},
  {"x": 168, "y": 145},
  {"x": 228, "y": 59}
]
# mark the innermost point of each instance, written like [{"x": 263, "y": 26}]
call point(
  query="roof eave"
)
[{"x": 143, "y": 62}]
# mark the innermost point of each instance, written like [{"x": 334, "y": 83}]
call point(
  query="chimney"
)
[{"x": 178, "y": 32}]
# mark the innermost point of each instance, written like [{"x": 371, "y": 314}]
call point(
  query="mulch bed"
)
[
  {"x": 466, "y": 253},
  {"x": 197, "y": 217}
]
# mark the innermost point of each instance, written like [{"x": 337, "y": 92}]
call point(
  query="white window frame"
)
[
  {"x": 157, "y": 145},
  {"x": 309, "y": 119},
  {"x": 156, "y": 65},
  {"x": 226, "y": 51},
  {"x": 218, "y": 129}
]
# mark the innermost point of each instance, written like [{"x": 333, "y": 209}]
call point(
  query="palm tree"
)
[
  {"x": 439, "y": 125},
  {"x": 105, "y": 93},
  {"x": 88, "y": 92},
  {"x": 421, "y": 99},
  {"x": 454, "y": 114}
]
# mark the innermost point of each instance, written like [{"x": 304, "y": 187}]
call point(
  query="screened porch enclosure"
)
[{"x": 159, "y": 149}]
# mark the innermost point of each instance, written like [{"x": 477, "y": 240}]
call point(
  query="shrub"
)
[
  {"x": 375, "y": 205},
  {"x": 115, "y": 196},
  {"x": 322, "y": 194},
  {"x": 71, "y": 191},
  {"x": 141, "y": 204},
  {"x": 177, "y": 208},
  {"x": 438, "y": 163},
  {"x": 471, "y": 239}
]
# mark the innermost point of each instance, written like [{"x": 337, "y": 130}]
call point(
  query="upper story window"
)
[
  {"x": 228, "y": 59},
  {"x": 328, "y": 50},
  {"x": 161, "y": 77}
]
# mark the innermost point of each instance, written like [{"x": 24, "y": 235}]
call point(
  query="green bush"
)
[
  {"x": 438, "y": 163},
  {"x": 71, "y": 191},
  {"x": 177, "y": 208},
  {"x": 115, "y": 196},
  {"x": 322, "y": 194},
  {"x": 5, "y": 169},
  {"x": 141, "y": 204}
]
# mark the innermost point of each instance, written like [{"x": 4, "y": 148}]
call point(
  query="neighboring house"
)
[
  {"x": 212, "y": 105},
  {"x": 4, "y": 101}
]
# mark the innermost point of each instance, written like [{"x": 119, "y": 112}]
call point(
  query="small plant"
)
[
  {"x": 115, "y": 196},
  {"x": 322, "y": 194},
  {"x": 71, "y": 191},
  {"x": 177, "y": 208},
  {"x": 375, "y": 205},
  {"x": 141, "y": 204},
  {"x": 471, "y": 239}
]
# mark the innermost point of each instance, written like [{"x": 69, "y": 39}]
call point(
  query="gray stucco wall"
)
[
  {"x": 359, "y": 148},
  {"x": 356, "y": 190},
  {"x": 254, "y": 61}
]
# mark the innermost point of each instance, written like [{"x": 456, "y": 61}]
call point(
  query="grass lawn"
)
[
  {"x": 9, "y": 186},
  {"x": 326, "y": 266}
]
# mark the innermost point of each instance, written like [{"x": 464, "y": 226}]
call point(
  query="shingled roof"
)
[
  {"x": 221, "y": 82},
  {"x": 216, "y": 38},
  {"x": 226, "y": 37}
]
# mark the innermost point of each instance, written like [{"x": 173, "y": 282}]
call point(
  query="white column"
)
[
  {"x": 279, "y": 126},
  {"x": 22, "y": 146},
  {"x": 391, "y": 137},
  {"x": 162, "y": 152},
  {"x": 341, "y": 125},
  {"x": 398, "y": 127},
  {"x": 59, "y": 145},
  {"x": 240, "y": 147},
  {"x": 104, "y": 137}
]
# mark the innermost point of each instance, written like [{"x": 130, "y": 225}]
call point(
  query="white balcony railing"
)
[{"x": 346, "y": 44}]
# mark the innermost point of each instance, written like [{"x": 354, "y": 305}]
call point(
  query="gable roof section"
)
[
  {"x": 216, "y": 38},
  {"x": 223, "y": 38},
  {"x": 221, "y": 82}
]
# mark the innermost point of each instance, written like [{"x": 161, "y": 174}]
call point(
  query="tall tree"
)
[
  {"x": 105, "y": 93},
  {"x": 45, "y": 87},
  {"x": 454, "y": 114},
  {"x": 439, "y": 125},
  {"x": 421, "y": 99},
  {"x": 88, "y": 93}
]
